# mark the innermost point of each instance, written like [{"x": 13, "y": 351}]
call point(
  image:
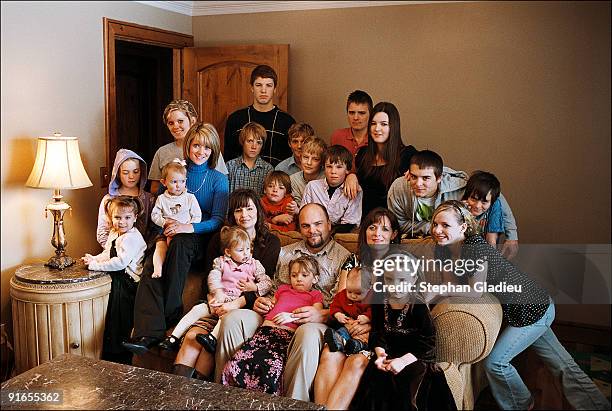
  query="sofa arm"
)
[{"x": 466, "y": 328}]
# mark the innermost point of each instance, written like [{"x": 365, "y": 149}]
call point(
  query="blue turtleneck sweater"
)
[{"x": 211, "y": 189}]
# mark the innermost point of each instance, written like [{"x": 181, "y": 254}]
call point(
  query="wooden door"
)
[{"x": 216, "y": 79}]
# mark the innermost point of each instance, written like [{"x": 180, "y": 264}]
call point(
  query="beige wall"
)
[
  {"x": 521, "y": 89},
  {"x": 527, "y": 84},
  {"x": 53, "y": 79}
]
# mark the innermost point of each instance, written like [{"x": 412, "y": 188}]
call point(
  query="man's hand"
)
[
  {"x": 262, "y": 305},
  {"x": 351, "y": 186},
  {"x": 308, "y": 314},
  {"x": 510, "y": 249},
  {"x": 355, "y": 329}
]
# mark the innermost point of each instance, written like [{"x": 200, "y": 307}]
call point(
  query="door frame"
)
[{"x": 121, "y": 30}]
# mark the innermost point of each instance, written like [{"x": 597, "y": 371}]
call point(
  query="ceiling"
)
[{"x": 207, "y": 8}]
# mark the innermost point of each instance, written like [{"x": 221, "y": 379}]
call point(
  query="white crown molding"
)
[{"x": 208, "y": 8}]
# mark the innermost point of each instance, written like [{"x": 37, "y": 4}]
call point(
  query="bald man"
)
[{"x": 307, "y": 343}]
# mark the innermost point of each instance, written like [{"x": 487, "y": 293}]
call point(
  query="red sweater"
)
[
  {"x": 341, "y": 304},
  {"x": 272, "y": 210}
]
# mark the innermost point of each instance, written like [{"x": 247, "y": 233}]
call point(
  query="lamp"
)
[{"x": 58, "y": 166}]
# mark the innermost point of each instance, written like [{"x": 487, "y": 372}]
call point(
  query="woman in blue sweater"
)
[{"x": 159, "y": 303}]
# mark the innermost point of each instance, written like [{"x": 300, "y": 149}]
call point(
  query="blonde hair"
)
[
  {"x": 183, "y": 106},
  {"x": 462, "y": 215},
  {"x": 173, "y": 166},
  {"x": 307, "y": 263},
  {"x": 252, "y": 129},
  {"x": 232, "y": 236},
  {"x": 123, "y": 202},
  {"x": 314, "y": 145},
  {"x": 300, "y": 129},
  {"x": 207, "y": 135}
]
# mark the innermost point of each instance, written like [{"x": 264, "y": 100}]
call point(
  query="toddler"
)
[
  {"x": 176, "y": 204},
  {"x": 344, "y": 212},
  {"x": 128, "y": 177},
  {"x": 233, "y": 273},
  {"x": 260, "y": 362},
  {"x": 122, "y": 257},
  {"x": 347, "y": 307},
  {"x": 277, "y": 203},
  {"x": 481, "y": 198},
  {"x": 249, "y": 170}
]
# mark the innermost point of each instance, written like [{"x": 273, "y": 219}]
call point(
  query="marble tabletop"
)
[{"x": 75, "y": 382}]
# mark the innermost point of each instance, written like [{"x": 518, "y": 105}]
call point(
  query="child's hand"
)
[
  {"x": 283, "y": 318},
  {"x": 218, "y": 298},
  {"x": 292, "y": 207},
  {"x": 247, "y": 285},
  {"x": 226, "y": 308},
  {"x": 342, "y": 318},
  {"x": 283, "y": 219},
  {"x": 363, "y": 319},
  {"x": 87, "y": 259}
]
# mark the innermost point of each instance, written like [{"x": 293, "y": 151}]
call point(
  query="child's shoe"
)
[
  {"x": 208, "y": 341},
  {"x": 334, "y": 341},
  {"x": 353, "y": 346},
  {"x": 170, "y": 343}
]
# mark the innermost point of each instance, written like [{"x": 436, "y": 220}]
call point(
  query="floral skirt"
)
[{"x": 260, "y": 362}]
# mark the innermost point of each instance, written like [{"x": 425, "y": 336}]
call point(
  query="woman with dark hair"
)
[
  {"x": 339, "y": 374},
  {"x": 384, "y": 159},
  {"x": 245, "y": 212}
]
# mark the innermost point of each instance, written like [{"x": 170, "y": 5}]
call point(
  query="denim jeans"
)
[{"x": 507, "y": 387}]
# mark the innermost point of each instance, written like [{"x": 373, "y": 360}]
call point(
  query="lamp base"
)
[{"x": 60, "y": 262}]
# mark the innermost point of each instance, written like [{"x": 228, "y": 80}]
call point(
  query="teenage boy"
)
[
  {"x": 344, "y": 213},
  {"x": 358, "y": 109},
  {"x": 429, "y": 184},
  {"x": 298, "y": 132},
  {"x": 312, "y": 151},
  {"x": 249, "y": 170},
  {"x": 263, "y": 111}
]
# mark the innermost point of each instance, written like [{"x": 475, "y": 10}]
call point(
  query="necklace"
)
[{"x": 203, "y": 181}]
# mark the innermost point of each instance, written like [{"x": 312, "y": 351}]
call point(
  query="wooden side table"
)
[{"x": 57, "y": 312}]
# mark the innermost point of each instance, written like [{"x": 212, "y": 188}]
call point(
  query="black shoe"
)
[
  {"x": 333, "y": 340},
  {"x": 140, "y": 345},
  {"x": 208, "y": 341},
  {"x": 170, "y": 343},
  {"x": 353, "y": 346}
]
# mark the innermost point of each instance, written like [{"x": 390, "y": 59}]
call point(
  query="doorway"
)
[{"x": 143, "y": 75}]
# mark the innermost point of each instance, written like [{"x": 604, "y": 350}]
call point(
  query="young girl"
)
[
  {"x": 403, "y": 374},
  {"x": 249, "y": 170},
  {"x": 260, "y": 362},
  {"x": 179, "y": 116},
  {"x": 528, "y": 313},
  {"x": 383, "y": 160},
  {"x": 346, "y": 308},
  {"x": 481, "y": 197},
  {"x": 278, "y": 203},
  {"x": 122, "y": 257},
  {"x": 233, "y": 273},
  {"x": 175, "y": 204},
  {"x": 127, "y": 178}
]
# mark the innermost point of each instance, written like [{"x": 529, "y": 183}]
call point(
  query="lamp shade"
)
[{"x": 58, "y": 164}]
